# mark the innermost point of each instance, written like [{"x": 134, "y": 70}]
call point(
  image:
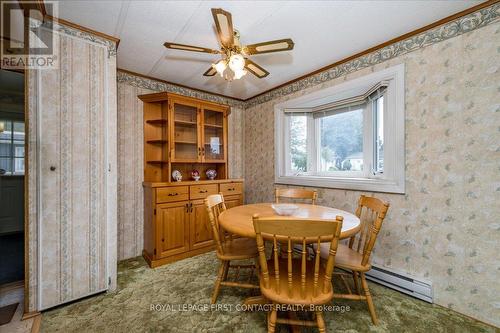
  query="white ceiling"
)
[{"x": 323, "y": 31}]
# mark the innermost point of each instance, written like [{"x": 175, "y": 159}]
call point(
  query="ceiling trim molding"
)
[
  {"x": 454, "y": 25},
  {"x": 33, "y": 4},
  {"x": 61, "y": 21},
  {"x": 40, "y": 5},
  {"x": 148, "y": 82}
]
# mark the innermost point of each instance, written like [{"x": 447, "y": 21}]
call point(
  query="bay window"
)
[{"x": 349, "y": 136}]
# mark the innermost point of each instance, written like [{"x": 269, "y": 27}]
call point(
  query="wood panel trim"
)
[
  {"x": 84, "y": 29},
  {"x": 37, "y": 323},
  {"x": 28, "y": 315},
  {"x": 27, "y": 291},
  {"x": 384, "y": 44},
  {"x": 37, "y": 4},
  {"x": 40, "y": 5}
]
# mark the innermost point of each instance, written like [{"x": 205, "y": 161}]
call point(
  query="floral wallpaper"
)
[
  {"x": 445, "y": 228},
  {"x": 131, "y": 161}
]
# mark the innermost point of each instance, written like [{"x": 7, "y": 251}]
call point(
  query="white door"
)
[{"x": 72, "y": 174}]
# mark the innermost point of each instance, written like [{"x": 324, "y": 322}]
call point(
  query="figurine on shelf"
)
[
  {"x": 211, "y": 174},
  {"x": 176, "y": 175},
  {"x": 195, "y": 174}
]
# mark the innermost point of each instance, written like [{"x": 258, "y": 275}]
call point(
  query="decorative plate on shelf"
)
[
  {"x": 211, "y": 174},
  {"x": 176, "y": 175},
  {"x": 195, "y": 174}
]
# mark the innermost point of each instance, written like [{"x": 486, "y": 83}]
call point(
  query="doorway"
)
[{"x": 12, "y": 157}]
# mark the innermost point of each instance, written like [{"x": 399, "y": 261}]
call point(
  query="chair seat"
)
[
  {"x": 239, "y": 249},
  {"x": 346, "y": 258},
  {"x": 296, "y": 297}
]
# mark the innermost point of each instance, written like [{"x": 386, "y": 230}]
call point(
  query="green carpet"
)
[{"x": 190, "y": 282}]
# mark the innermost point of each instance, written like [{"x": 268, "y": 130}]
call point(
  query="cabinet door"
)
[
  {"x": 233, "y": 201},
  {"x": 185, "y": 131},
  {"x": 214, "y": 134},
  {"x": 173, "y": 228},
  {"x": 200, "y": 230}
]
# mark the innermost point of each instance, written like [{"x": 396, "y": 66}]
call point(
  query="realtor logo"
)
[{"x": 26, "y": 40}]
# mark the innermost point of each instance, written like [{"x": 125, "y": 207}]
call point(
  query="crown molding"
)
[
  {"x": 152, "y": 83},
  {"x": 40, "y": 6},
  {"x": 61, "y": 21}
]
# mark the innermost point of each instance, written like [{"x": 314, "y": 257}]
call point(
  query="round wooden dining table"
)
[{"x": 238, "y": 220}]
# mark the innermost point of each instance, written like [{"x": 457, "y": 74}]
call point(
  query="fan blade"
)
[
  {"x": 183, "y": 47},
  {"x": 210, "y": 72},
  {"x": 271, "y": 46},
  {"x": 255, "y": 69},
  {"x": 224, "y": 24}
]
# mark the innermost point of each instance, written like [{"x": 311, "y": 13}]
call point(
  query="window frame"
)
[{"x": 392, "y": 180}]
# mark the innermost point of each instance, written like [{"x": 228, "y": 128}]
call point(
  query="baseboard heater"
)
[{"x": 401, "y": 282}]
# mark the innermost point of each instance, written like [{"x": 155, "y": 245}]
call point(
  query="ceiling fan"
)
[{"x": 234, "y": 63}]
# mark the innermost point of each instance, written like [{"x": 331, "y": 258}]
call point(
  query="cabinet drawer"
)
[
  {"x": 202, "y": 191},
  {"x": 231, "y": 188},
  {"x": 171, "y": 194}
]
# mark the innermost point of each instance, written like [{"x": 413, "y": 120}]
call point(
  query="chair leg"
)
[
  {"x": 220, "y": 276},
  {"x": 226, "y": 270},
  {"x": 369, "y": 300},
  {"x": 271, "y": 320},
  {"x": 356, "y": 282},
  {"x": 320, "y": 321}
]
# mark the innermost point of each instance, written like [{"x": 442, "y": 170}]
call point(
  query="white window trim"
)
[{"x": 393, "y": 178}]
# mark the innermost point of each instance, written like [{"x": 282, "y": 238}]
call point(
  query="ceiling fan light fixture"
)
[
  {"x": 220, "y": 67},
  {"x": 236, "y": 62},
  {"x": 238, "y": 74}
]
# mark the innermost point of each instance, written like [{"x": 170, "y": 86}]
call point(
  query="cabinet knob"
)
[
  {"x": 203, "y": 191},
  {"x": 52, "y": 168},
  {"x": 173, "y": 194}
]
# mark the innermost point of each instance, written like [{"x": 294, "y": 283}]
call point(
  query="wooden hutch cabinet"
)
[{"x": 184, "y": 134}]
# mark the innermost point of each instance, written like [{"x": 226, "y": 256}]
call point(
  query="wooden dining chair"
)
[
  {"x": 296, "y": 281},
  {"x": 295, "y": 193},
  {"x": 228, "y": 248},
  {"x": 355, "y": 257}
]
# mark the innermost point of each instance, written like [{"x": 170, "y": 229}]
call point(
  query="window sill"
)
[{"x": 358, "y": 184}]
